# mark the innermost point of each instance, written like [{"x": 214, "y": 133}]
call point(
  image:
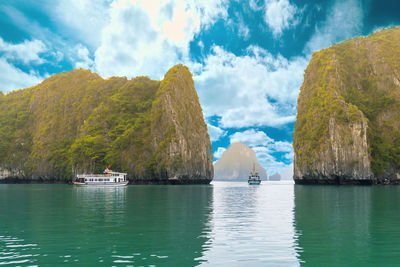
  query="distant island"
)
[
  {"x": 77, "y": 122},
  {"x": 275, "y": 177},
  {"x": 236, "y": 163},
  {"x": 347, "y": 129}
]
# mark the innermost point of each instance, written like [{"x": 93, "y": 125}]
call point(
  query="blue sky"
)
[{"x": 247, "y": 57}]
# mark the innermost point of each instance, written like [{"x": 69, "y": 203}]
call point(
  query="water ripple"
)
[{"x": 12, "y": 256}]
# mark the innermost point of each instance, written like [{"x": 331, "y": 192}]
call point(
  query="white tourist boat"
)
[
  {"x": 254, "y": 178},
  {"x": 108, "y": 178}
]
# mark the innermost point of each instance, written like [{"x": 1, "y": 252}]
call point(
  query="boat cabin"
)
[{"x": 108, "y": 177}]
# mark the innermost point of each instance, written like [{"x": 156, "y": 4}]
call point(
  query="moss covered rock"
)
[
  {"x": 348, "y": 123},
  {"x": 77, "y": 122}
]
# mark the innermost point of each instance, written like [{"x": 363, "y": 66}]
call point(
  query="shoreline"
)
[{"x": 346, "y": 182}]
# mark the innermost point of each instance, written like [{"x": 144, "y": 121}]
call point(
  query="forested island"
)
[
  {"x": 78, "y": 122},
  {"x": 347, "y": 129}
]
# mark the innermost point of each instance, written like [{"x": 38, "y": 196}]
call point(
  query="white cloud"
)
[
  {"x": 254, "y": 139},
  {"x": 254, "y": 5},
  {"x": 33, "y": 28},
  {"x": 147, "y": 37},
  {"x": 280, "y": 15},
  {"x": 251, "y": 138},
  {"x": 289, "y": 155},
  {"x": 83, "y": 60},
  {"x": 269, "y": 162},
  {"x": 126, "y": 37},
  {"x": 13, "y": 78},
  {"x": 219, "y": 152},
  {"x": 215, "y": 132},
  {"x": 207, "y": 12},
  {"x": 201, "y": 45},
  {"x": 243, "y": 31},
  {"x": 344, "y": 20},
  {"x": 236, "y": 23},
  {"x": 26, "y": 52},
  {"x": 81, "y": 19},
  {"x": 282, "y": 146},
  {"x": 237, "y": 88}
]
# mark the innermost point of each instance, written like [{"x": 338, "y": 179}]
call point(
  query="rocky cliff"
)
[
  {"x": 76, "y": 122},
  {"x": 348, "y": 123},
  {"x": 236, "y": 162}
]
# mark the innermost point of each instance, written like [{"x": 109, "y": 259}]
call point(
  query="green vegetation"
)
[
  {"x": 354, "y": 79},
  {"x": 78, "y": 122}
]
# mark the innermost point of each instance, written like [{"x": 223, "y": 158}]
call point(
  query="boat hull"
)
[
  {"x": 111, "y": 184},
  {"x": 254, "y": 182}
]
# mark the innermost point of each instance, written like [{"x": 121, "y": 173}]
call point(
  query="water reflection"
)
[
  {"x": 251, "y": 225},
  {"x": 94, "y": 204},
  {"x": 351, "y": 225}
]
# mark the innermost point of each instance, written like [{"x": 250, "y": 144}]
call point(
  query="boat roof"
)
[
  {"x": 110, "y": 171},
  {"x": 106, "y": 171}
]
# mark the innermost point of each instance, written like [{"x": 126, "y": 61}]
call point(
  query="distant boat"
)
[
  {"x": 108, "y": 178},
  {"x": 254, "y": 178}
]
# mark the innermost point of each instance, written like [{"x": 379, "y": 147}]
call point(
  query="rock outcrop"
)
[
  {"x": 76, "y": 122},
  {"x": 348, "y": 123},
  {"x": 236, "y": 163}
]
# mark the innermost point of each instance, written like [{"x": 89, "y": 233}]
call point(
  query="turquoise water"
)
[{"x": 222, "y": 224}]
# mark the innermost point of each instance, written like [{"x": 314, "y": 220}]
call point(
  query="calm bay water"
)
[{"x": 222, "y": 224}]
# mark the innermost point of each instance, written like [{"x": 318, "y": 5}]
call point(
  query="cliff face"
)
[
  {"x": 236, "y": 162},
  {"x": 179, "y": 131},
  {"x": 348, "y": 123},
  {"x": 77, "y": 122}
]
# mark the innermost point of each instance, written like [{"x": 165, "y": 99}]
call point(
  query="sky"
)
[{"x": 247, "y": 57}]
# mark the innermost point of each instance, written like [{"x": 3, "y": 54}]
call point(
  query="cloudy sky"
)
[{"x": 247, "y": 57}]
